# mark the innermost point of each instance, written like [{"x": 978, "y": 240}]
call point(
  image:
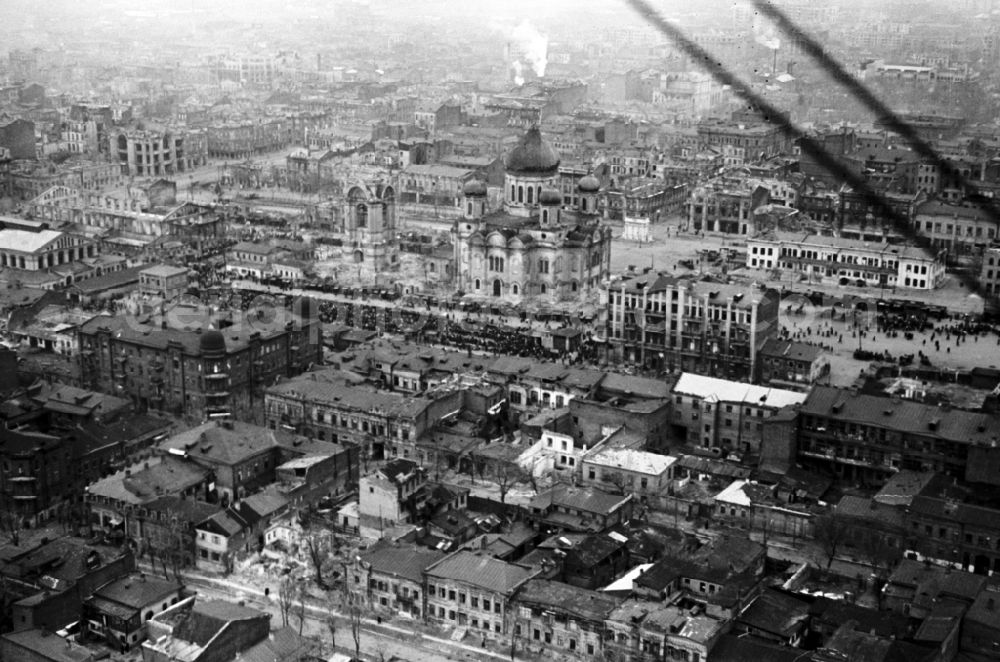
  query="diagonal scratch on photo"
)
[{"x": 499, "y": 331}]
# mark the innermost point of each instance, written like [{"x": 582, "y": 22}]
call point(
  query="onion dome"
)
[
  {"x": 212, "y": 340},
  {"x": 532, "y": 155},
  {"x": 589, "y": 184},
  {"x": 474, "y": 188},
  {"x": 549, "y": 196}
]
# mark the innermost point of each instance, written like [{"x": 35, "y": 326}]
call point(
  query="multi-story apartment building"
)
[
  {"x": 866, "y": 438},
  {"x": 329, "y": 405},
  {"x": 670, "y": 324},
  {"x": 847, "y": 261},
  {"x": 957, "y": 228},
  {"x": 745, "y": 142},
  {"x": 245, "y": 139},
  {"x": 473, "y": 590},
  {"x": 725, "y": 205},
  {"x": 989, "y": 277},
  {"x": 433, "y": 184},
  {"x": 31, "y": 178},
  {"x": 712, "y": 412},
  {"x": 176, "y": 361},
  {"x": 131, "y": 224},
  {"x": 154, "y": 153}
]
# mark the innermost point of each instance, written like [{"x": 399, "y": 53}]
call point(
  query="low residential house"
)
[
  {"x": 241, "y": 456},
  {"x": 244, "y": 527},
  {"x": 588, "y": 560},
  {"x": 196, "y": 630},
  {"x": 628, "y": 471},
  {"x": 167, "y": 529},
  {"x": 41, "y": 645},
  {"x": 641, "y": 630},
  {"x": 117, "y": 612},
  {"x": 45, "y": 582},
  {"x": 388, "y": 577},
  {"x": 777, "y": 616},
  {"x": 115, "y": 500},
  {"x": 283, "y": 644},
  {"x": 386, "y": 496},
  {"x": 219, "y": 537},
  {"x": 550, "y": 616},
  {"x": 582, "y": 509},
  {"x": 789, "y": 363},
  {"x": 915, "y": 588},
  {"x": 473, "y": 590},
  {"x": 723, "y": 575},
  {"x": 981, "y": 626},
  {"x": 753, "y": 506}
]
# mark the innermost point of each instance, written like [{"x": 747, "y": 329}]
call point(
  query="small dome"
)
[
  {"x": 549, "y": 196},
  {"x": 474, "y": 188},
  {"x": 589, "y": 184},
  {"x": 532, "y": 155},
  {"x": 212, "y": 340}
]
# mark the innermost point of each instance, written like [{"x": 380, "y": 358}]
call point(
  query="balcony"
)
[{"x": 217, "y": 375}]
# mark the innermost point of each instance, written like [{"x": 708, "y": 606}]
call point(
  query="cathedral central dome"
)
[{"x": 532, "y": 155}]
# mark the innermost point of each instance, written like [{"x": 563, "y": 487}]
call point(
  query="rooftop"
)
[
  {"x": 137, "y": 591},
  {"x": 577, "y": 602},
  {"x": 723, "y": 390},
  {"x": 484, "y": 572},
  {"x": 905, "y": 416},
  {"x": 406, "y": 561},
  {"x": 48, "y": 646},
  {"x": 628, "y": 459}
]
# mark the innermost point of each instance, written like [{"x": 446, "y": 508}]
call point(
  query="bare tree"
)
[
  {"x": 11, "y": 523},
  {"x": 506, "y": 476},
  {"x": 318, "y": 548},
  {"x": 620, "y": 481},
  {"x": 354, "y": 615},
  {"x": 830, "y": 533},
  {"x": 877, "y": 551},
  {"x": 286, "y": 598},
  {"x": 300, "y": 607},
  {"x": 331, "y": 627}
]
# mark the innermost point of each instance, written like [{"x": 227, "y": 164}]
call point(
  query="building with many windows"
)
[
  {"x": 712, "y": 412},
  {"x": 989, "y": 277},
  {"x": 867, "y": 438},
  {"x": 186, "y": 360},
  {"x": 532, "y": 248},
  {"x": 674, "y": 325},
  {"x": 847, "y": 261},
  {"x": 473, "y": 590}
]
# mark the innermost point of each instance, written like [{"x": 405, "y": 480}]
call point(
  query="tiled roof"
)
[
  {"x": 904, "y": 416},
  {"x": 484, "y": 572},
  {"x": 565, "y": 598},
  {"x": 137, "y": 591},
  {"x": 405, "y": 561},
  {"x": 283, "y": 644}
]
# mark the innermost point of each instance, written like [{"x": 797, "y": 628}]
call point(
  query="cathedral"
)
[{"x": 532, "y": 248}]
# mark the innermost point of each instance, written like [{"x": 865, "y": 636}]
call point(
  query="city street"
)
[{"x": 379, "y": 640}]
